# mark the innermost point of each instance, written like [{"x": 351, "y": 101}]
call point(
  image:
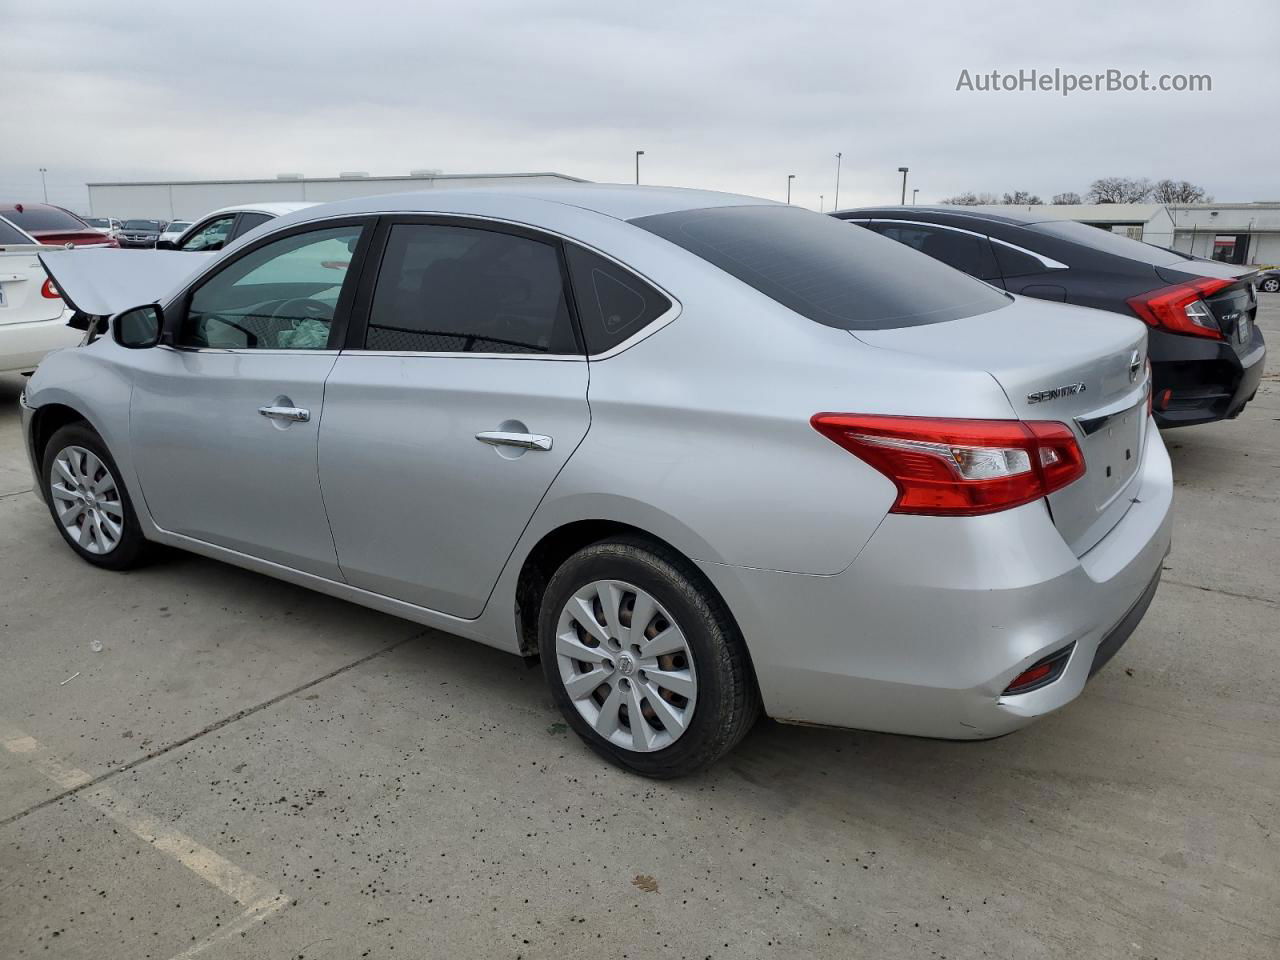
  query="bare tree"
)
[
  {"x": 971, "y": 199},
  {"x": 1069, "y": 197},
  {"x": 1119, "y": 190},
  {"x": 1179, "y": 191},
  {"x": 1022, "y": 198}
]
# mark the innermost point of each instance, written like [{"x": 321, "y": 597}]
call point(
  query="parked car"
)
[
  {"x": 1268, "y": 280},
  {"x": 216, "y": 229},
  {"x": 1207, "y": 354},
  {"x": 701, "y": 453},
  {"x": 108, "y": 226},
  {"x": 53, "y": 225},
  {"x": 141, "y": 233},
  {"x": 172, "y": 233},
  {"x": 33, "y": 317}
]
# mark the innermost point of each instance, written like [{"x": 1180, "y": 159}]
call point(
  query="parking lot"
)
[{"x": 249, "y": 769}]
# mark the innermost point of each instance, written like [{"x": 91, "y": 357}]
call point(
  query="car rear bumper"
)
[
  {"x": 24, "y": 345},
  {"x": 1210, "y": 379},
  {"x": 925, "y": 630}
]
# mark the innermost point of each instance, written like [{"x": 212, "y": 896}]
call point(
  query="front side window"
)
[
  {"x": 963, "y": 251},
  {"x": 281, "y": 296},
  {"x": 212, "y": 235},
  {"x": 447, "y": 289},
  {"x": 824, "y": 269}
]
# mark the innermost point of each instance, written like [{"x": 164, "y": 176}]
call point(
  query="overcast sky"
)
[{"x": 730, "y": 96}]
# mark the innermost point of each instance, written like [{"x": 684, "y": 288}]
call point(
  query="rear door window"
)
[
  {"x": 451, "y": 289},
  {"x": 248, "y": 221},
  {"x": 1015, "y": 263},
  {"x": 960, "y": 249}
]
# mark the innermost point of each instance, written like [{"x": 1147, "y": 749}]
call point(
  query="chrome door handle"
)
[
  {"x": 526, "y": 441},
  {"x": 293, "y": 414}
]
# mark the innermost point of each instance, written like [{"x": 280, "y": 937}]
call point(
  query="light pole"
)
[
  {"x": 836, "y": 205},
  {"x": 790, "y": 177},
  {"x": 903, "y": 171},
  {"x": 822, "y": 201},
  {"x": 639, "y": 154},
  {"x": 44, "y": 186},
  {"x": 914, "y": 191}
]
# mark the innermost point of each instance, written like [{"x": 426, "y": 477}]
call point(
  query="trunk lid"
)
[{"x": 1085, "y": 368}]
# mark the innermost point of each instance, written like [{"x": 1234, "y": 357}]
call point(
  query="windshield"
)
[
  {"x": 1102, "y": 239},
  {"x": 143, "y": 224},
  {"x": 97, "y": 221},
  {"x": 44, "y": 218},
  {"x": 825, "y": 269}
]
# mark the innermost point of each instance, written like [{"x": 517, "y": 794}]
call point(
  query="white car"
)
[
  {"x": 174, "y": 231},
  {"x": 33, "y": 316},
  {"x": 217, "y": 229},
  {"x": 108, "y": 226}
]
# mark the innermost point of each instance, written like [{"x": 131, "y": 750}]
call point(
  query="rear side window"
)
[
  {"x": 613, "y": 303},
  {"x": 44, "y": 218},
  {"x": 824, "y": 268},
  {"x": 959, "y": 249},
  {"x": 248, "y": 221},
  {"x": 1015, "y": 263},
  {"x": 446, "y": 289}
]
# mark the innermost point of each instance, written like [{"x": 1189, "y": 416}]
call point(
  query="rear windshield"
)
[
  {"x": 142, "y": 224},
  {"x": 1105, "y": 241},
  {"x": 44, "y": 218},
  {"x": 828, "y": 270},
  {"x": 11, "y": 234}
]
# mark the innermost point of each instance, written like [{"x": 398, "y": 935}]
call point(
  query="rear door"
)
[{"x": 461, "y": 394}]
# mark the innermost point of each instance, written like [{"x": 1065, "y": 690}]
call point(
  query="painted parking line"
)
[{"x": 260, "y": 900}]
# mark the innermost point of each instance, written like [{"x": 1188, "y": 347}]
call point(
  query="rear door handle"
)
[
  {"x": 292, "y": 414},
  {"x": 526, "y": 441}
]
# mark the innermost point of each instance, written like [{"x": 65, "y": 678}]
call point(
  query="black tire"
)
[
  {"x": 131, "y": 549},
  {"x": 1271, "y": 285},
  {"x": 728, "y": 702}
]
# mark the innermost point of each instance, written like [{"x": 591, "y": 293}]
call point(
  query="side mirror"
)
[
  {"x": 166, "y": 245},
  {"x": 139, "y": 328}
]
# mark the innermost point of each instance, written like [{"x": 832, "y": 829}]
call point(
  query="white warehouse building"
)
[{"x": 191, "y": 199}]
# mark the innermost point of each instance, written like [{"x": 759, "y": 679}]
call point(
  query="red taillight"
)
[
  {"x": 49, "y": 291},
  {"x": 1181, "y": 308},
  {"x": 945, "y": 467}
]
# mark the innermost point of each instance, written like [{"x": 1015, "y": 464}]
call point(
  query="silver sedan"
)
[{"x": 703, "y": 455}]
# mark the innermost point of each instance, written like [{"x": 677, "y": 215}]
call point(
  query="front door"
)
[
  {"x": 225, "y": 421},
  {"x": 459, "y": 402}
]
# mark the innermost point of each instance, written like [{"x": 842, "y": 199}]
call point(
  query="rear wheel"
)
[
  {"x": 643, "y": 659},
  {"x": 1271, "y": 284},
  {"x": 88, "y": 501}
]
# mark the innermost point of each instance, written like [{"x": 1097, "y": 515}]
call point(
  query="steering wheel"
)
[{"x": 303, "y": 308}]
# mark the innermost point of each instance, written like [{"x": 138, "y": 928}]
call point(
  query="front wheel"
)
[
  {"x": 643, "y": 660},
  {"x": 1271, "y": 285},
  {"x": 88, "y": 501}
]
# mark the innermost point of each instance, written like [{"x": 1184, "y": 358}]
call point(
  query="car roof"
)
[
  {"x": 1014, "y": 215},
  {"x": 621, "y": 201},
  {"x": 277, "y": 208}
]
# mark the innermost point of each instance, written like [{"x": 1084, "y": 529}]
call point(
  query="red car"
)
[{"x": 54, "y": 226}]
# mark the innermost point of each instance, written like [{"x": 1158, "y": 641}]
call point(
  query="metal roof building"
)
[{"x": 191, "y": 199}]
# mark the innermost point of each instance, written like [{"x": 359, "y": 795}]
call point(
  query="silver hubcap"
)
[
  {"x": 626, "y": 666},
  {"x": 87, "y": 500}
]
